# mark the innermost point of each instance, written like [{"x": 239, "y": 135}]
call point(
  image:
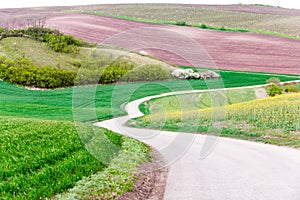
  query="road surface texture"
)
[{"x": 231, "y": 170}]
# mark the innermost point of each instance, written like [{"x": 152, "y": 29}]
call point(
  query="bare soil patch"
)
[{"x": 151, "y": 181}]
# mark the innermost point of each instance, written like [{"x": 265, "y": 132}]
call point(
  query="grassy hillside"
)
[
  {"x": 196, "y": 15},
  {"x": 36, "y": 63},
  {"x": 40, "y": 53}
]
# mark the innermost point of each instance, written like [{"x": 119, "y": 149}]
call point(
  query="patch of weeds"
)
[{"x": 116, "y": 179}]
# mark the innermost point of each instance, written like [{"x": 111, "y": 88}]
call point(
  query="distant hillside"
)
[
  {"x": 286, "y": 21},
  {"x": 255, "y": 8}
]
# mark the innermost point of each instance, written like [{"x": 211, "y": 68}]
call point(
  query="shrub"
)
[
  {"x": 102, "y": 70},
  {"x": 185, "y": 74},
  {"x": 146, "y": 73},
  {"x": 290, "y": 89},
  {"x": 21, "y": 71},
  {"x": 191, "y": 74},
  {"x": 181, "y": 23},
  {"x": 275, "y": 81},
  {"x": 222, "y": 28},
  {"x": 204, "y": 26},
  {"x": 63, "y": 43},
  {"x": 209, "y": 75},
  {"x": 273, "y": 90}
]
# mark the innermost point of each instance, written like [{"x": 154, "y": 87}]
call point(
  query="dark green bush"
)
[
  {"x": 204, "y": 26},
  {"x": 181, "y": 23},
  {"x": 62, "y": 43},
  {"x": 273, "y": 90},
  {"x": 222, "y": 28}
]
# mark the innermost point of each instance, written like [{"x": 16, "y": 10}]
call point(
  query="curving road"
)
[{"x": 233, "y": 169}]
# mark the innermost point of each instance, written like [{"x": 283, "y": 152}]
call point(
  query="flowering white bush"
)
[
  {"x": 191, "y": 74},
  {"x": 144, "y": 53},
  {"x": 209, "y": 75}
]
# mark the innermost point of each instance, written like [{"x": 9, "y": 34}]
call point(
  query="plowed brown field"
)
[
  {"x": 187, "y": 45},
  {"x": 179, "y": 45}
]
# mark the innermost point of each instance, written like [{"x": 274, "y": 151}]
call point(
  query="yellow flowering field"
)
[{"x": 281, "y": 112}]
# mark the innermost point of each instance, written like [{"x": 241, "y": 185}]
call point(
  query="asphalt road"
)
[{"x": 211, "y": 168}]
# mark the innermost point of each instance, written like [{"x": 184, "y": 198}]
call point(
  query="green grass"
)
[
  {"x": 285, "y": 26},
  {"x": 41, "y": 158},
  {"x": 189, "y": 102},
  {"x": 58, "y": 105}
]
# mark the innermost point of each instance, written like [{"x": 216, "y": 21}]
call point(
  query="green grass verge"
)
[
  {"x": 114, "y": 180},
  {"x": 202, "y": 26}
]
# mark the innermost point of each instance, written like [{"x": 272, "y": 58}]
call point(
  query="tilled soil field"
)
[
  {"x": 187, "y": 45},
  {"x": 258, "y": 9},
  {"x": 178, "y": 45},
  {"x": 286, "y": 21}
]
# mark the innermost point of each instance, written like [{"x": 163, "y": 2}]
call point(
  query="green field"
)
[
  {"x": 43, "y": 151},
  {"x": 273, "y": 120},
  {"x": 190, "y": 102},
  {"x": 196, "y": 16},
  {"x": 41, "y": 158},
  {"x": 58, "y": 105}
]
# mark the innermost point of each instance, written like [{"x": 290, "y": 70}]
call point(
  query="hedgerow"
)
[
  {"x": 55, "y": 39},
  {"x": 21, "y": 71}
]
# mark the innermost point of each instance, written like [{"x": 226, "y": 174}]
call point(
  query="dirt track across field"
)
[{"x": 187, "y": 45}]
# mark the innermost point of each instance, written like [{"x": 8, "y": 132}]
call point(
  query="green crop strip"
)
[{"x": 41, "y": 158}]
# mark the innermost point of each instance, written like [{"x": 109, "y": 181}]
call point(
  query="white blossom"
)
[{"x": 191, "y": 74}]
